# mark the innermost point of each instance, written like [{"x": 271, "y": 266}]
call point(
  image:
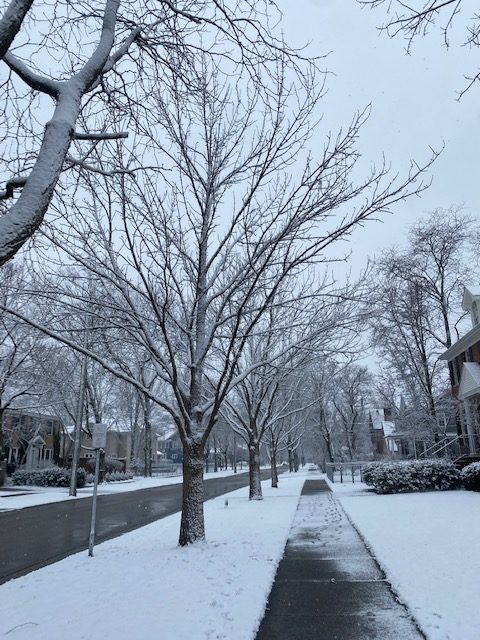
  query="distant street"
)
[{"x": 36, "y": 536}]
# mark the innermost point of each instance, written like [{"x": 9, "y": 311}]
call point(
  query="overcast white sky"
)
[{"x": 413, "y": 100}]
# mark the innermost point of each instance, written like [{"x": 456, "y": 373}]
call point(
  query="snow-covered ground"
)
[
  {"x": 428, "y": 545},
  {"x": 34, "y": 496},
  {"x": 142, "y": 585}
]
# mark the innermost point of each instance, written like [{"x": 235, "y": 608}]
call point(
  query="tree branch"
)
[{"x": 34, "y": 80}]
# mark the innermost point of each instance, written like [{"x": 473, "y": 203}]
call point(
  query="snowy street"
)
[
  {"x": 118, "y": 511},
  {"x": 22, "y": 497}
]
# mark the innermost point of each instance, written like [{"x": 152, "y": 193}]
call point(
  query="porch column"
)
[{"x": 471, "y": 433}]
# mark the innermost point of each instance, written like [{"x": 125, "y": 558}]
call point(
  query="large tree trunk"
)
[
  {"x": 290, "y": 460},
  {"x": 254, "y": 471},
  {"x": 215, "y": 454},
  {"x": 147, "y": 446},
  {"x": 192, "y": 527},
  {"x": 328, "y": 442},
  {"x": 273, "y": 464},
  {"x": 11, "y": 21},
  {"x": 2, "y": 413},
  {"x": 207, "y": 457},
  {"x": 295, "y": 461}
]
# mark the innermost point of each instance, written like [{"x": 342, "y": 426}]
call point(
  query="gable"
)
[{"x": 470, "y": 380}]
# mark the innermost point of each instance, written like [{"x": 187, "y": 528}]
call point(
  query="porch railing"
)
[
  {"x": 453, "y": 447},
  {"x": 344, "y": 471}
]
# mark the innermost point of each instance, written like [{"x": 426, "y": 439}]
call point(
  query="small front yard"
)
[{"x": 428, "y": 545}]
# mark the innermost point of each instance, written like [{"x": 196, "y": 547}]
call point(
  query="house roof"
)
[
  {"x": 376, "y": 416},
  {"x": 388, "y": 428},
  {"x": 470, "y": 381},
  {"x": 468, "y": 340},
  {"x": 169, "y": 433}
]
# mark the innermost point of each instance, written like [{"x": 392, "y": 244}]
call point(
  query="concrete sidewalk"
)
[{"x": 328, "y": 586}]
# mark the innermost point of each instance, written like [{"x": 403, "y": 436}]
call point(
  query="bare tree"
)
[
  {"x": 266, "y": 403},
  {"x": 350, "y": 398},
  {"x": 22, "y": 352},
  {"x": 320, "y": 386},
  {"x": 286, "y": 430},
  {"x": 418, "y": 314},
  {"x": 93, "y": 80},
  {"x": 413, "y": 20},
  {"x": 187, "y": 266}
]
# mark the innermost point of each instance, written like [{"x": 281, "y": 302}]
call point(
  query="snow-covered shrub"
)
[
  {"x": 471, "y": 476},
  {"x": 118, "y": 476},
  {"x": 90, "y": 478},
  {"x": 111, "y": 464},
  {"x": 368, "y": 472},
  {"x": 50, "y": 477},
  {"x": 411, "y": 475}
]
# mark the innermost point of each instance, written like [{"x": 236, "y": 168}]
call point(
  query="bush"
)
[
  {"x": 118, "y": 476},
  {"x": 471, "y": 476},
  {"x": 411, "y": 475},
  {"x": 50, "y": 477},
  {"x": 110, "y": 465}
]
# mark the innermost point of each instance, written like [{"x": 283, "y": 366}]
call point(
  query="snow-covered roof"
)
[
  {"x": 470, "y": 381},
  {"x": 377, "y": 417},
  {"x": 379, "y": 423},
  {"x": 168, "y": 433},
  {"x": 388, "y": 427}
]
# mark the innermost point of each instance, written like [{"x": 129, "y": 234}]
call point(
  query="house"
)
[
  {"x": 33, "y": 439},
  {"x": 170, "y": 446},
  {"x": 119, "y": 446},
  {"x": 382, "y": 432},
  {"x": 463, "y": 359}
]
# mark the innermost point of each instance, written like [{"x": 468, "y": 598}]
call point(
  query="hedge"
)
[
  {"x": 50, "y": 477},
  {"x": 471, "y": 476},
  {"x": 118, "y": 476},
  {"x": 411, "y": 475}
]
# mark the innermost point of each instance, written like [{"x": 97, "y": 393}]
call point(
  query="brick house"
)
[{"x": 463, "y": 359}]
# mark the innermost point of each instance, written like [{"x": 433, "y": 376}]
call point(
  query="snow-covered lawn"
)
[
  {"x": 34, "y": 496},
  {"x": 428, "y": 545},
  {"x": 142, "y": 585}
]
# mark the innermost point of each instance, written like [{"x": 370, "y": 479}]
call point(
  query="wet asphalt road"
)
[{"x": 36, "y": 536}]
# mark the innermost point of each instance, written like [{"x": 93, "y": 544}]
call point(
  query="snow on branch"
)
[
  {"x": 12, "y": 184},
  {"x": 105, "y": 135},
  {"x": 34, "y": 80},
  {"x": 11, "y": 21}
]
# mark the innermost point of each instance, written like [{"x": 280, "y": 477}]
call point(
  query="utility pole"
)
[{"x": 99, "y": 442}]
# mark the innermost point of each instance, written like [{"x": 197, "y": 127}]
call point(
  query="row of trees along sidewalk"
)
[
  {"x": 41, "y": 376},
  {"x": 201, "y": 224}
]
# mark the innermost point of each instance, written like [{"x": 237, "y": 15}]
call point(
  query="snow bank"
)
[
  {"x": 427, "y": 543},
  {"x": 142, "y": 585}
]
